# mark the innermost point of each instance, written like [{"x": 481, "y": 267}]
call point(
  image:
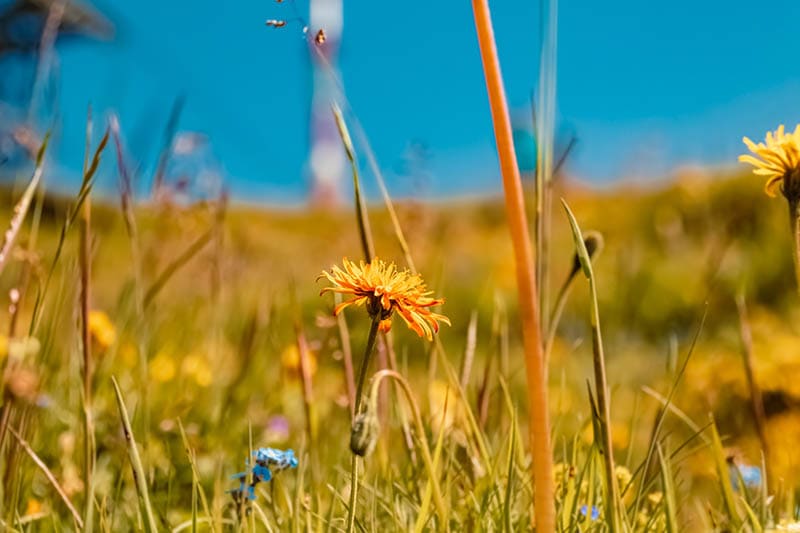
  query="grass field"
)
[
  {"x": 211, "y": 364},
  {"x": 558, "y": 358}
]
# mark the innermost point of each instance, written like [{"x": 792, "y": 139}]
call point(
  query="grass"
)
[
  {"x": 198, "y": 429},
  {"x": 154, "y": 347}
]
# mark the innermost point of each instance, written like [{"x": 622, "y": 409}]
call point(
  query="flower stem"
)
[
  {"x": 362, "y": 374},
  {"x": 794, "y": 222},
  {"x": 541, "y": 448},
  {"x": 417, "y": 417}
]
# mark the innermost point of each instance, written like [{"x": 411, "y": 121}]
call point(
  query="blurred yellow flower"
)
[
  {"x": 779, "y": 157},
  {"x": 129, "y": 354},
  {"x": 385, "y": 289},
  {"x": 624, "y": 479},
  {"x": 196, "y": 366},
  {"x": 102, "y": 329},
  {"x": 33, "y": 507},
  {"x": 655, "y": 498},
  {"x": 162, "y": 367},
  {"x": 290, "y": 361}
]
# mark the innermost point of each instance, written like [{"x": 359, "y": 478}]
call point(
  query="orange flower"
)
[
  {"x": 384, "y": 289},
  {"x": 779, "y": 158}
]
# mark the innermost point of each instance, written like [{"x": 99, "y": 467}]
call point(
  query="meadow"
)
[
  {"x": 212, "y": 366},
  {"x": 556, "y": 358}
]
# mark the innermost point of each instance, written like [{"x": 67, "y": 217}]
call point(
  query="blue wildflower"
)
[
  {"x": 595, "y": 512},
  {"x": 751, "y": 476},
  {"x": 267, "y": 460}
]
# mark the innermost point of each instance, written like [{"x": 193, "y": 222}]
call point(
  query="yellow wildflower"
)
[
  {"x": 196, "y": 366},
  {"x": 33, "y": 507},
  {"x": 102, "y": 329},
  {"x": 162, "y": 367},
  {"x": 624, "y": 479},
  {"x": 290, "y": 361},
  {"x": 779, "y": 160},
  {"x": 384, "y": 289}
]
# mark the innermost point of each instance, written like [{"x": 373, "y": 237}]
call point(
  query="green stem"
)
[
  {"x": 362, "y": 374},
  {"x": 794, "y": 222}
]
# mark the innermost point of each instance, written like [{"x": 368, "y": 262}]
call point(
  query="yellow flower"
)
[
  {"x": 290, "y": 361},
  {"x": 196, "y": 366},
  {"x": 779, "y": 158},
  {"x": 162, "y": 367},
  {"x": 384, "y": 289},
  {"x": 102, "y": 329},
  {"x": 33, "y": 507}
]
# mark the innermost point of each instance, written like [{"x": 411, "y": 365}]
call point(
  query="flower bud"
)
[{"x": 364, "y": 433}]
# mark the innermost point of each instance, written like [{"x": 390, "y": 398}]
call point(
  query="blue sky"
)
[{"x": 645, "y": 86}]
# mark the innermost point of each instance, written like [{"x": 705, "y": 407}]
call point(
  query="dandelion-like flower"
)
[
  {"x": 778, "y": 158},
  {"x": 385, "y": 289}
]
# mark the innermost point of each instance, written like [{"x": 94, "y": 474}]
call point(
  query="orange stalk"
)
[{"x": 539, "y": 433}]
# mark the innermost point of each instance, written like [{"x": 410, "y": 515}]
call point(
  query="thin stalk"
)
[
  {"x": 364, "y": 231},
  {"x": 347, "y": 357},
  {"x": 308, "y": 389},
  {"x": 21, "y": 208},
  {"x": 362, "y": 373},
  {"x": 420, "y": 429},
  {"x": 541, "y": 448},
  {"x": 373, "y": 335},
  {"x": 601, "y": 381},
  {"x": 49, "y": 475},
  {"x": 198, "y": 488},
  {"x": 756, "y": 398},
  {"x": 794, "y": 222},
  {"x": 370, "y": 154},
  {"x": 555, "y": 316},
  {"x": 86, "y": 341},
  {"x": 545, "y": 126},
  {"x": 137, "y": 468}
]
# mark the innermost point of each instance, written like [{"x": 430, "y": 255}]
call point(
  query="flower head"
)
[
  {"x": 385, "y": 289},
  {"x": 778, "y": 158}
]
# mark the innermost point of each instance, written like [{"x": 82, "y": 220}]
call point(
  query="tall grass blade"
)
[
  {"x": 362, "y": 217},
  {"x": 726, "y": 487},
  {"x": 668, "y": 486},
  {"x": 613, "y": 506},
  {"x": 198, "y": 488},
  {"x": 137, "y": 468},
  {"x": 21, "y": 208}
]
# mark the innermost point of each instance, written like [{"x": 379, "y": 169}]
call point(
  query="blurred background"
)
[
  {"x": 644, "y": 89},
  {"x": 223, "y": 132}
]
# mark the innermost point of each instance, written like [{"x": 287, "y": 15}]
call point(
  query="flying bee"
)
[
  {"x": 320, "y": 37},
  {"x": 276, "y": 23}
]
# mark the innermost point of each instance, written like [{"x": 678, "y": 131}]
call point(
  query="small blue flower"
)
[
  {"x": 280, "y": 459},
  {"x": 266, "y": 460},
  {"x": 751, "y": 476},
  {"x": 595, "y": 512}
]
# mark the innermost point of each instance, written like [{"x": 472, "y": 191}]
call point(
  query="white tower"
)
[{"x": 327, "y": 159}]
